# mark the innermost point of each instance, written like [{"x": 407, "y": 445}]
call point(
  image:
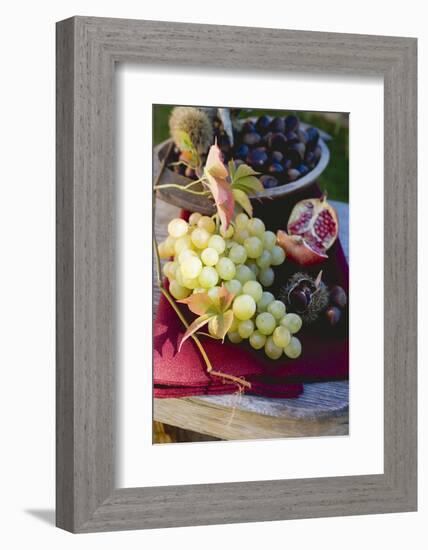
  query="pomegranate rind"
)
[
  {"x": 297, "y": 250},
  {"x": 304, "y": 216}
]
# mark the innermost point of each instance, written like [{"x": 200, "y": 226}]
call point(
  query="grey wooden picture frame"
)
[{"x": 87, "y": 51}]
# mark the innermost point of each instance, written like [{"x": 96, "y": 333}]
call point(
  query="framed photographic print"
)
[{"x": 236, "y": 274}]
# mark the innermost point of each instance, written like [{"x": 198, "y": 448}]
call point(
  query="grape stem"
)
[
  {"x": 241, "y": 382},
  {"x": 185, "y": 188}
]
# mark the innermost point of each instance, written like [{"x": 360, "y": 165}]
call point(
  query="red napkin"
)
[{"x": 325, "y": 351}]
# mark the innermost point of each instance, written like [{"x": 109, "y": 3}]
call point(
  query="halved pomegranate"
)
[{"x": 312, "y": 229}]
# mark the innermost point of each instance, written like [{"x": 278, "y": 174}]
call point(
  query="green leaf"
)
[
  {"x": 242, "y": 199},
  {"x": 248, "y": 184},
  {"x": 243, "y": 171},
  {"x": 231, "y": 166}
]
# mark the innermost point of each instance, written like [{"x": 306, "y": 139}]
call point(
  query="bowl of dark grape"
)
[{"x": 288, "y": 154}]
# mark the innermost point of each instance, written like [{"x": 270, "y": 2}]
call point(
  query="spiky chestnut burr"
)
[
  {"x": 195, "y": 123},
  {"x": 306, "y": 296}
]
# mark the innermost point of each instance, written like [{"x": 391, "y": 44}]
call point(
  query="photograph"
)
[{"x": 250, "y": 284}]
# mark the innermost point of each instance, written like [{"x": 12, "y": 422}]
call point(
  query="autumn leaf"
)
[
  {"x": 216, "y": 175},
  {"x": 210, "y": 309}
]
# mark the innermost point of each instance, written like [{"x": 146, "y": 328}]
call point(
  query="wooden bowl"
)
[{"x": 195, "y": 203}]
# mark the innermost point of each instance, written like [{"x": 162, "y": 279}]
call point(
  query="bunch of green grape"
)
[{"x": 242, "y": 258}]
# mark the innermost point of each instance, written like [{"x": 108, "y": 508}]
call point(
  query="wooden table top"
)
[{"x": 323, "y": 408}]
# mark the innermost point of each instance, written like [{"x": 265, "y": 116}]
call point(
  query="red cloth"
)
[{"x": 325, "y": 351}]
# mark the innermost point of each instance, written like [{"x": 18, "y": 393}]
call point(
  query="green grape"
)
[
  {"x": 238, "y": 254},
  {"x": 277, "y": 308},
  {"x": 182, "y": 243},
  {"x": 218, "y": 243},
  {"x": 257, "y": 340},
  {"x": 292, "y": 321},
  {"x": 269, "y": 240},
  {"x": 246, "y": 328},
  {"x": 191, "y": 283},
  {"x": 264, "y": 260},
  {"x": 226, "y": 269},
  {"x": 185, "y": 254},
  {"x": 241, "y": 235},
  {"x": 209, "y": 256},
  {"x": 179, "y": 292},
  {"x": 254, "y": 247},
  {"x": 272, "y": 350},
  {"x": 266, "y": 323},
  {"x": 253, "y": 266},
  {"x": 177, "y": 228},
  {"x": 234, "y": 326},
  {"x": 191, "y": 267},
  {"x": 208, "y": 277},
  {"x": 265, "y": 300},
  {"x": 169, "y": 269},
  {"x": 199, "y": 289},
  {"x": 228, "y": 234},
  {"x": 213, "y": 293},
  {"x": 200, "y": 237},
  {"x": 233, "y": 286},
  {"x": 234, "y": 337},
  {"x": 256, "y": 227},
  {"x": 294, "y": 348},
  {"x": 254, "y": 289},
  {"x": 244, "y": 274},
  {"x": 170, "y": 245},
  {"x": 163, "y": 251},
  {"x": 207, "y": 223},
  {"x": 267, "y": 276},
  {"x": 179, "y": 276},
  {"x": 244, "y": 307},
  {"x": 241, "y": 221},
  {"x": 278, "y": 255},
  {"x": 281, "y": 336},
  {"x": 194, "y": 218}
]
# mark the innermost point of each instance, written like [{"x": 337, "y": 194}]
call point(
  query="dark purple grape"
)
[
  {"x": 291, "y": 123},
  {"x": 257, "y": 157},
  {"x": 286, "y": 164},
  {"x": 189, "y": 172},
  {"x": 248, "y": 127},
  {"x": 300, "y": 148},
  {"x": 303, "y": 169},
  {"x": 277, "y": 125},
  {"x": 278, "y": 142},
  {"x": 268, "y": 181},
  {"x": 251, "y": 138},
  {"x": 238, "y": 162},
  {"x": 266, "y": 140},
  {"x": 317, "y": 153},
  {"x": 310, "y": 159},
  {"x": 338, "y": 296},
  {"x": 303, "y": 137},
  {"x": 242, "y": 151},
  {"x": 313, "y": 136},
  {"x": 293, "y": 174},
  {"x": 224, "y": 143},
  {"x": 293, "y": 155},
  {"x": 292, "y": 137},
  {"x": 262, "y": 124},
  {"x": 333, "y": 315},
  {"x": 275, "y": 168},
  {"x": 277, "y": 156}
]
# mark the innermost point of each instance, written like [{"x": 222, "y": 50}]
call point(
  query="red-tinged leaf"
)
[
  {"x": 198, "y": 323},
  {"x": 221, "y": 323},
  {"x": 199, "y": 303},
  {"x": 225, "y": 298},
  {"x": 214, "y": 164}
]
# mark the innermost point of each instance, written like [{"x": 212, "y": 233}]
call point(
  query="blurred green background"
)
[{"x": 334, "y": 179}]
